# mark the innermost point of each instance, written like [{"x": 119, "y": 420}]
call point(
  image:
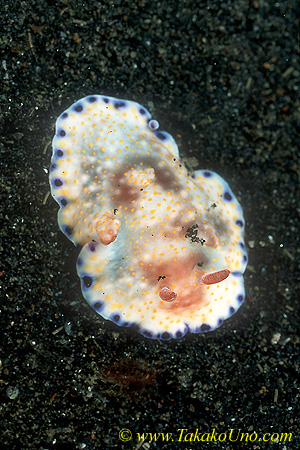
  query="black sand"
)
[{"x": 223, "y": 79}]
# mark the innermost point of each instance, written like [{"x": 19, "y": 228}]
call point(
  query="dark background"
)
[{"x": 223, "y": 78}]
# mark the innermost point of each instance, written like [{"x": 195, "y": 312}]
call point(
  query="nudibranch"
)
[{"x": 161, "y": 250}]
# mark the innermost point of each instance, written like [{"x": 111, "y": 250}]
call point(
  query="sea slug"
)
[{"x": 161, "y": 250}]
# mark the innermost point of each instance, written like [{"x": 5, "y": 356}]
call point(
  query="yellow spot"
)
[{"x": 117, "y": 306}]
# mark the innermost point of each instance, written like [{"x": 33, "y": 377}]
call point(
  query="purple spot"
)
[
  {"x": 227, "y": 196},
  {"x": 62, "y": 133},
  {"x": 64, "y": 115},
  {"x": 98, "y": 305},
  {"x": 245, "y": 259},
  {"x": 58, "y": 182},
  {"x": 153, "y": 124},
  {"x": 207, "y": 174},
  {"x": 63, "y": 202},
  {"x": 231, "y": 310},
  {"x": 92, "y": 99},
  {"x": 178, "y": 334},
  {"x": 220, "y": 321},
  {"x": 68, "y": 230},
  {"x": 239, "y": 223},
  {"x": 242, "y": 245},
  {"x": 79, "y": 262},
  {"x": 105, "y": 100},
  {"x": 165, "y": 336},
  {"x": 142, "y": 111},
  {"x": 92, "y": 247},
  {"x": 53, "y": 166},
  {"x": 78, "y": 108},
  {"x": 204, "y": 328},
  {"x": 147, "y": 334},
  {"x": 87, "y": 281},
  {"x": 116, "y": 318},
  {"x": 240, "y": 298}
]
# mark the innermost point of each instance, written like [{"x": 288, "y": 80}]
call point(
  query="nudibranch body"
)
[{"x": 161, "y": 250}]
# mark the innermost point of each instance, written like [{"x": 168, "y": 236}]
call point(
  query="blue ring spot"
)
[
  {"x": 62, "y": 133},
  {"x": 231, "y": 310},
  {"x": 204, "y": 328},
  {"x": 239, "y": 223},
  {"x": 64, "y": 115},
  {"x": 240, "y": 298},
  {"x": 59, "y": 153},
  {"x": 79, "y": 262},
  {"x": 207, "y": 174},
  {"x": 57, "y": 182},
  {"x": 106, "y": 100},
  {"x": 87, "y": 281},
  {"x": 63, "y": 202},
  {"x": 220, "y": 321},
  {"x": 68, "y": 230},
  {"x": 142, "y": 111},
  {"x": 160, "y": 135},
  {"x": 116, "y": 318},
  {"x": 242, "y": 245},
  {"x": 78, "y": 108},
  {"x": 245, "y": 259},
  {"x": 98, "y": 305},
  {"x": 178, "y": 334},
  {"x": 92, "y": 99},
  {"x": 53, "y": 166},
  {"x": 227, "y": 196},
  {"x": 165, "y": 336},
  {"x": 118, "y": 105},
  {"x": 236, "y": 274}
]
